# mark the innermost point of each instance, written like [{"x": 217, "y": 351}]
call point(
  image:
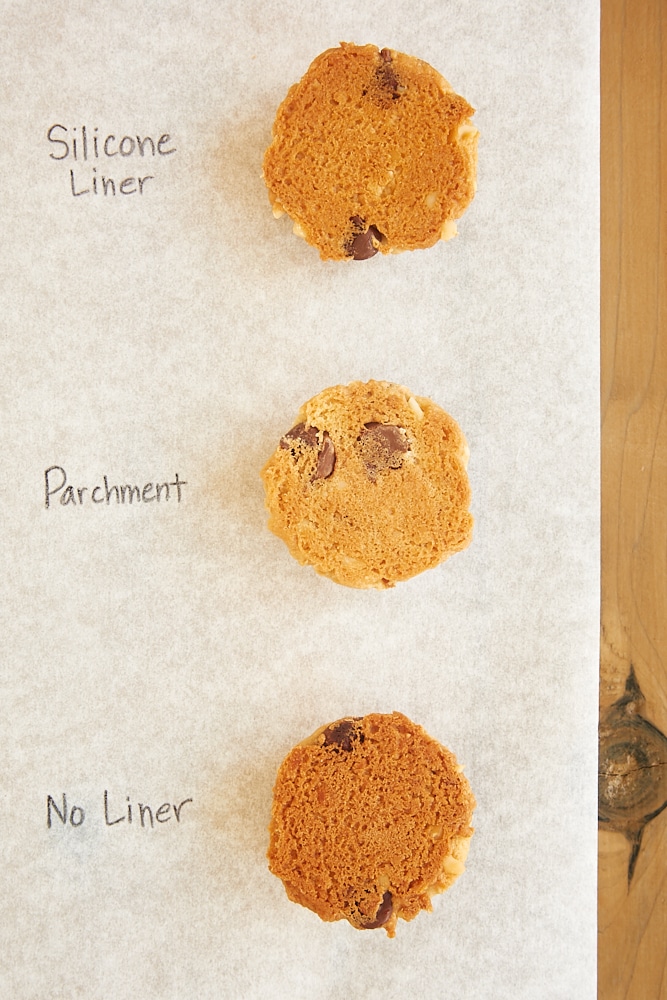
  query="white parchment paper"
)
[{"x": 165, "y": 654}]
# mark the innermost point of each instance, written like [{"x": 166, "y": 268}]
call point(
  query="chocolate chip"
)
[
  {"x": 326, "y": 460},
  {"x": 391, "y": 437},
  {"x": 341, "y": 734},
  {"x": 382, "y": 446},
  {"x": 362, "y": 245},
  {"x": 389, "y": 80},
  {"x": 326, "y": 454},
  {"x": 308, "y": 435},
  {"x": 386, "y": 77},
  {"x": 383, "y": 914}
]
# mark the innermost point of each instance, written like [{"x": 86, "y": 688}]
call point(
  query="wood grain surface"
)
[{"x": 633, "y": 660}]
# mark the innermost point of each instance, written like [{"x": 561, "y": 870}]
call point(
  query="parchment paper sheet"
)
[{"x": 164, "y": 651}]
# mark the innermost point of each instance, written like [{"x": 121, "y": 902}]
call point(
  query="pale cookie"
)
[
  {"x": 371, "y": 818},
  {"x": 369, "y": 486},
  {"x": 372, "y": 151}
]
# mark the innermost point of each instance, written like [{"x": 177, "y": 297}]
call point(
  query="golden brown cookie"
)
[
  {"x": 371, "y": 818},
  {"x": 372, "y": 151},
  {"x": 369, "y": 486}
]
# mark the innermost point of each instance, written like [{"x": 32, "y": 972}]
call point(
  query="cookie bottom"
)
[{"x": 371, "y": 819}]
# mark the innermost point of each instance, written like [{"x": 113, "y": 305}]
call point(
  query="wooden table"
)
[{"x": 633, "y": 752}]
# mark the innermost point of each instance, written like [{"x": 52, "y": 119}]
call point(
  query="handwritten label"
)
[
  {"x": 113, "y": 812},
  {"x": 90, "y": 154},
  {"x": 58, "y": 491}
]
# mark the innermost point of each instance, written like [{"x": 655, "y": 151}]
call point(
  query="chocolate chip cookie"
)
[
  {"x": 371, "y": 818},
  {"x": 369, "y": 486},
  {"x": 372, "y": 152}
]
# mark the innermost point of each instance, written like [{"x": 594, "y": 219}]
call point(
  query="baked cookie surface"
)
[
  {"x": 371, "y": 818},
  {"x": 372, "y": 151},
  {"x": 369, "y": 486}
]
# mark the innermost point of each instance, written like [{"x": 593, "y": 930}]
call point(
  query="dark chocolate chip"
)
[
  {"x": 308, "y": 435},
  {"x": 341, "y": 734},
  {"x": 383, "y": 914},
  {"x": 362, "y": 245},
  {"x": 386, "y": 55}
]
